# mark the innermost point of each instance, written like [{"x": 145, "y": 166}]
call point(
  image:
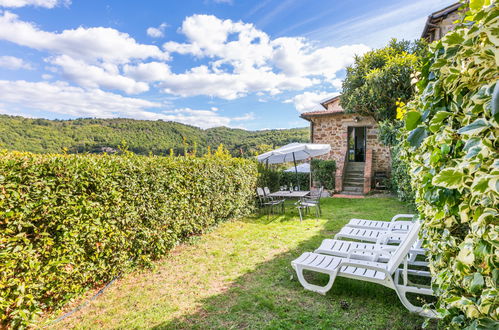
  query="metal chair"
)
[
  {"x": 268, "y": 202},
  {"x": 312, "y": 201}
]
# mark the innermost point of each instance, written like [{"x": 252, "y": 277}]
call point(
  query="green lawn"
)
[{"x": 239, "y": 276}]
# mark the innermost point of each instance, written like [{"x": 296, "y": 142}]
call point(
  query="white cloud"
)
[
  {"x": 241, "y": 59},
  {"x": 310, "y": 101},
  {"x": 35, "y": 3},
  {"x": 152, "y": 71},
  {"x": 89, "y": 44},
  {"x": 158, "y": 32},
  {"x": 246, "y": 60},
  {"x": 61, "y": 99},
  {"x": 402, "y": 20},
  {"x": 201, "y": 81},
  {"x": 14, "y": 63},
  {"x": 296, "y": 57},
  {"x": 92, "y": 76},
  {"x": 223, "y": 1}
]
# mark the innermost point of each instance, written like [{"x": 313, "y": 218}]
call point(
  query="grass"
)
[{"x": 239, "y": 276}]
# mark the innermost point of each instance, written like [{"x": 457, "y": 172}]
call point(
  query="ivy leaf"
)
[
  {"x": 475, "y": 127},
  {"x": 449, "y": 178},
  {"x": 494, "y": 103},
  {"x": 436, "y": 121},
  {"x": 417, "y": 136},
  {"x": 412, "y": 120},
  {"x": 477, "y": 283}
]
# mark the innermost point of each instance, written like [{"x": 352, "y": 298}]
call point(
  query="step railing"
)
[
  {"x": 368, "y": 171},
  {"x": 340, "y": 172}
]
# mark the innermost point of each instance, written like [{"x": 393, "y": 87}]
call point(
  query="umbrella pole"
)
[{"x": 296, "y": 172}]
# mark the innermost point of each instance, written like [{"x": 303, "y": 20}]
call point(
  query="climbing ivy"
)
[{"x": 452, "y": 148}]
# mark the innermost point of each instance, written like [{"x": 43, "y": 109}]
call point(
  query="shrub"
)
[
  {"x": 452, "y": 149},
  {"x": 275, "y": 178},
  {"x": 323, "y": 172},
  {"x": 71, "y": 222},
  {"x": 381, "y": 77},
  {"x": 400, "y": 180}
]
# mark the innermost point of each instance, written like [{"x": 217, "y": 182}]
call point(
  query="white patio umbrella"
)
[
  {"x": 293, "y": 152},
  {"x": 302, "y": 168}
]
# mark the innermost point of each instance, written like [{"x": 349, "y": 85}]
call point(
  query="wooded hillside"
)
[{"x": 140, "y": 136}]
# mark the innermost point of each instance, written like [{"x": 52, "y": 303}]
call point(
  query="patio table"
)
[{"x": 290, "y": 194}]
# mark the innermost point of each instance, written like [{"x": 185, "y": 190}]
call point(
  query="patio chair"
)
[
  {"x": 308, "y": 202},
  {"x": 266, "y": 191},
  {"x": 270, "y": 204},
  {"x": 393, "y": 224},
  {"x": 388, "y": 274}
]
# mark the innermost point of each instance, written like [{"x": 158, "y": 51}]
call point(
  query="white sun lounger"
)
[
  {"x": 387, "y": 274},
  {"x": 367, "y": 251},
  {"x": 372, "y": 235},
  {"x": 393, "y": 224}
]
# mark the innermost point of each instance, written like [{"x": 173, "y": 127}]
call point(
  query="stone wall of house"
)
[{"x": 333, "y": 129}]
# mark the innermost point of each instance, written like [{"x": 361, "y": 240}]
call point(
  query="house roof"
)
[
  {"x": 435, "y": 17},
  {"x": 308, "y": 115},
  {"x": 329, "y": 100}
]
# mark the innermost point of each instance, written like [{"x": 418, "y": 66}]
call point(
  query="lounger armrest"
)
[
  {"x": 402, "y": 216},
  {"x": 346, "y": 263},
  {"x": 377, "y": 252}
]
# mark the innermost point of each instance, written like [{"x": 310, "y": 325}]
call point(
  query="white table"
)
[{"x": 290, "y": 194}]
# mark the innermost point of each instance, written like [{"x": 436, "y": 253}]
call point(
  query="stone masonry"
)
[{"x": 331, "y": 126}]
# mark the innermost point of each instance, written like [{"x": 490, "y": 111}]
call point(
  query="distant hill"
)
[{"x": 140, "y": 136}]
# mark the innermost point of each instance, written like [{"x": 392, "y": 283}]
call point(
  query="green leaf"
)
[
  {"x": 494, "y": 103},
  {"x": 475, "y": 127},
  {"x": 477, "y": 283},
  {"x": 449, "y": 178},
  {"x": 436, "y": 121},
  {"x": 412, "y": 120},
  {"x": 417, "y": 136}
]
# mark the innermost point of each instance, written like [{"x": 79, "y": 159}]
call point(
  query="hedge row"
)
[
  {"x": 71, "y": 222},
  {"x": 452, "y": 148}
]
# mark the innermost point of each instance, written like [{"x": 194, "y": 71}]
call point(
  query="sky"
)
[{"x": 235, "y": 63}]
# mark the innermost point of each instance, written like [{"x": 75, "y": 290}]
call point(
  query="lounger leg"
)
[
  {"x": 401, "y": 293},
  {"x": 315, "y": 288}
]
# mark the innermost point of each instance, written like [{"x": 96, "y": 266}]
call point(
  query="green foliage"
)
[
  {"x": 141, "y": 136},
  {"x": 453, "y": 155},
  {"x": 71, "y": 222},
  {"x": 323, "y": 172},
  {"x": 380, "y": 78},
  {"x": 275, "y": 178}
]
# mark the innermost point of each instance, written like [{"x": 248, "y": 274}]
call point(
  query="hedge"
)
[
  {"x": 452, "y": 148},
  {"x": 71, "y": 222}
]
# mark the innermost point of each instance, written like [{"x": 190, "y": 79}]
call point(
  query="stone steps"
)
[{"x": 353, "y": 183}]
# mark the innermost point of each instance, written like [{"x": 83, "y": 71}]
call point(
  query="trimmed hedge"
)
[
  {"x": 71, "y": 222},
  {"x": 323, "y": 172},
  {"x": 275, "y": 178},
  {"x": 452, "y": 149}
]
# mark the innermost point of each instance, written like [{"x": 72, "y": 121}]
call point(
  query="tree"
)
[{"x": 380, "y": 78}]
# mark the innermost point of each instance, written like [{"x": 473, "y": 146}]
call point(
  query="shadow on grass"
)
[{"x": 271, "y": 297}]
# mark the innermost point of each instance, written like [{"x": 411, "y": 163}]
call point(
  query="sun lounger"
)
[
  {"x": 394, "y": 224},
  {"x": 387, "y": 274}
]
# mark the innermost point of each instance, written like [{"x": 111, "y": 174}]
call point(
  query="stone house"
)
[
  {"x": 354, "y": 144},
  {"x": 440, "y": 22},
  {"x": 361, "y": 160}
]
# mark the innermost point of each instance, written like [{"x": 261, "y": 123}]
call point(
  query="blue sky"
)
[{"x": 247, "y": 64}]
